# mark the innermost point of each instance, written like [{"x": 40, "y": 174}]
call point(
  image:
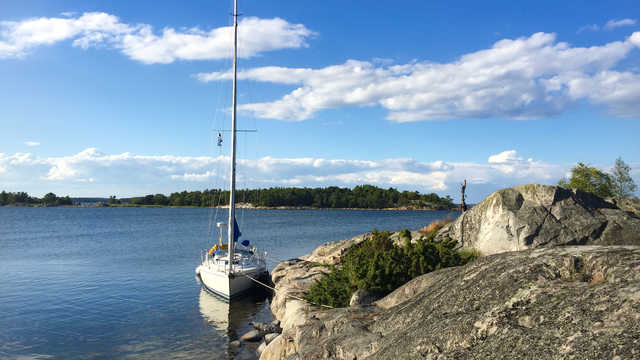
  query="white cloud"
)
[
  {"x": 256, "y": 35},
  {"x": 612, "y": 24},
  {"x": 508, "y": 162},
  {"x": 16, "y": 38},
  {"x": 525, "y": 78},
  {"x": 140, "y": 43},
  {"x": 504, "y": 169},
  {"x": 32, "y": 143},
  {"x": 592, "y": 27},
  {"x": 619, "y": 91},
  {"x": 504, "y": 157},
  {"x": 93, "y": 173}
]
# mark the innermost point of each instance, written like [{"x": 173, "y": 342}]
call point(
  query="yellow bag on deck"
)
[{"x": 216, "y": 247}]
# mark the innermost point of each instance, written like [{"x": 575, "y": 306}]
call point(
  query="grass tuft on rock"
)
[
  {"x": 380, "y": 266},
  {"x": 434, "y": 227}
]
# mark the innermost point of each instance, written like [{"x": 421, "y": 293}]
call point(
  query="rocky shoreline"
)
[{"x": 536, "y": 295}]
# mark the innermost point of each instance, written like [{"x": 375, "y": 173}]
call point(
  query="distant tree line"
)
[
  {"x": 22, "y": 198},
  {"x": 360, "y": 197}
]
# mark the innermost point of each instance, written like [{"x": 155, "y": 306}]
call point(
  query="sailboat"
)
[{"x": 226, "y": 269}]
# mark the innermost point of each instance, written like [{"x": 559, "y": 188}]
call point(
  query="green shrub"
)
[
  {"x": 332, "y": 289},
  {"x": 380, "y": 266}
]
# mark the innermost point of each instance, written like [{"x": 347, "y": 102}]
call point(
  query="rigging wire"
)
[
  {"x": 220, "y": 115},
  {"x": 220, "y": 175},
  {"x": 244, "y": 177}
]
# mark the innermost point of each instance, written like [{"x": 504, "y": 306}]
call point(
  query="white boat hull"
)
[{"x": 222, "y": 284}]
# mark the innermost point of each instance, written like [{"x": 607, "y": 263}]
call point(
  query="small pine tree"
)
[{"x": 623, "y": 185}]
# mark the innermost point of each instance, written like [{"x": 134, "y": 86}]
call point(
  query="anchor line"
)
[{"x": 289, "y": 295}]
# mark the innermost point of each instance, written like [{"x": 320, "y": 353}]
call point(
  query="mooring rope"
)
[
  {"x": 289, "y": 295},
  {"x": 277, "y": 262}
]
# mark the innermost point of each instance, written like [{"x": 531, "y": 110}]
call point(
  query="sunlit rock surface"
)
[
  {"x": 536, "y": 296},
  {"x": 531, "y": 216},
  {"x": 580, "y": 302}
]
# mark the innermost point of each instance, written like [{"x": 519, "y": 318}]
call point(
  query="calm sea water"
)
[{"x": 104, "y": 283}]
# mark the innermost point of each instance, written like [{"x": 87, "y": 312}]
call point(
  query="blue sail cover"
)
[{"x": 236, "y": 230}]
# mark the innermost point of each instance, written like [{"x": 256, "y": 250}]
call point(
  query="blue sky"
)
[{"x": 101, "y": 98}]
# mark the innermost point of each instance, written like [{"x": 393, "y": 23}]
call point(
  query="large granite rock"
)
[
  {"x": 550, "y": 302},
  {"x": 573, "y": 302},
  {"x": 531, "y": 216}
]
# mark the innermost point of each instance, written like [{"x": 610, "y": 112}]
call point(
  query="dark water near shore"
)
[{"x": 104, "y": 283}]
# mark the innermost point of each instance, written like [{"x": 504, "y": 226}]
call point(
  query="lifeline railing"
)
[{"x": 222, "y": 266}]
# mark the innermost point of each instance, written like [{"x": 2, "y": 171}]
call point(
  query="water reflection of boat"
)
[
  {"x": 215, "y": 310},
  {"x": 233, "y": 316}
]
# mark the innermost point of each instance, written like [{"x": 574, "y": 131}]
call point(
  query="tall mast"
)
[{"x": 232, "y": 188}]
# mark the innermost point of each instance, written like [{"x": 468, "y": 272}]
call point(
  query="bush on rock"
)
[{"x": 381, "y": 266}]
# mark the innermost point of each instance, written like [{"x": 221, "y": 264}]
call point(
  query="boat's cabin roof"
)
[{"x": 222, "y": 253}]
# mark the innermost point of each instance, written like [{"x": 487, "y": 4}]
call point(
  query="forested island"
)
[
  {"x": 360, "y": 197},
  {"x": 23, "y": 199}
]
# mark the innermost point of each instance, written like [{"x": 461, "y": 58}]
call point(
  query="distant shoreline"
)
[
  {"x": 239, "y": 206},
  {"x": 365, "y": 197}
]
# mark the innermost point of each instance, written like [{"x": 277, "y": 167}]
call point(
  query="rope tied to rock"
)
[
  {"x": 277, "y": 262},
  {"x": 288, "y": 295}
]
